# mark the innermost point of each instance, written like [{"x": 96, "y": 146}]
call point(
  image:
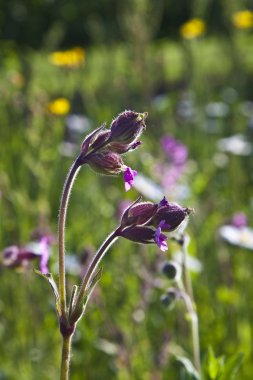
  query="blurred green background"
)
[{"x": 99, "y": 58}]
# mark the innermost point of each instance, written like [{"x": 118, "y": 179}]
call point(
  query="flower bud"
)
[
  {"x": 139, "y": 234},
  {"x": 172, "y": 214},
  {"x": 106, "y": 163},
  {"x": 138, "y": 213},
  {"x": 127, "y": 127},
  {"x": 171, "y": 270},
  {"x": 91, "y": 138},
  {"x": 100, "y": 139}
]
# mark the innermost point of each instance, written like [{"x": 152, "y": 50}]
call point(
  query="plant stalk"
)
[
  {"x": 191, "y": 306},
  {"x": 65, "y": 359},
  {"x": 92, "y": 268},
  {"x": 61, "y": 230}
]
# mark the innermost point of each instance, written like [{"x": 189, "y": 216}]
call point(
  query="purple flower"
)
[
  {"x": 20, "y": 257},
  {"x": 239, "y": 220},
  {"x": 45, "y": 253},
  {"x": 160, "y": 238},
  {"x": 176, "y": 151},
  {"x": 129, "y": 175}
]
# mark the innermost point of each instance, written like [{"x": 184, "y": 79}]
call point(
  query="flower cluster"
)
[
  {"x": 102, "y": 150},
  {"x": 145, "y": 222},
  {"x": 176, "y": 157}
]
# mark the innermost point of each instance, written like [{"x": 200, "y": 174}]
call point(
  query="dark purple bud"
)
[
  {"x": 127, "y": 127},
  {"x": 106, "y": 163},
  {"x": 139, "y": 234},
  {"x": 171, "y": 270},
  {"x": 171, "y": 213},
  {"x": 100, "y": 139},
  {"x": 138, "y": 214},
  {"x": 91, "y": 138}
]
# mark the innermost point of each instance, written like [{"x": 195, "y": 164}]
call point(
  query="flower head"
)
[
  {"x": 60, "y": 106},
  {"x": 239, "y": 220},
  {"x": 243, "y": 19},
  {"x": 69, "y": 58},
  {"x": 129, "y": 175},
  {"x": 193, "y": 28}
]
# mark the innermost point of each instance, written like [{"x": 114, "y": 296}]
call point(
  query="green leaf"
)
[
  {"x": 50, "y": 279},
  {"x": 190, "y": 372},
  {"x": 214, "y": 365},
  {"x": 232, "y": 366}
]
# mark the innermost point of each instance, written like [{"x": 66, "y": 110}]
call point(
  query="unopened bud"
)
[
  {"x": 172, "y": 214},
  {"x": 138, "y": 213},
  {"x": 100, "y": 139},
  {"x": 171, "y": 270},
  {"x": 139, "y": 234},
  {"x": 127, "y": 127},
  {"x": 106, "y": 163}
]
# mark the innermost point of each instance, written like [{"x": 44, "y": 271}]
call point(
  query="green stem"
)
[
  {"x": 65, "y": 359},
  {"x": 92, "y": 269},
  {"x": 191, "y": 306},
  {"x": 61, "y": 230}
]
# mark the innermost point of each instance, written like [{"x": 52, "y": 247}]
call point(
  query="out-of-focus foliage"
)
[{"x": 199, "y": 91}]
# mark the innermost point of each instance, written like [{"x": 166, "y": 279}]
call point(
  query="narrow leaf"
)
[
  {"x": 191, "y": 373},
  {"x": 232, "y": 366},
  {"x": 50, "y": 279}
]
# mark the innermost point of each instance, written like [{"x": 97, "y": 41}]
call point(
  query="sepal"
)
[{"x": 78, "y": 306}]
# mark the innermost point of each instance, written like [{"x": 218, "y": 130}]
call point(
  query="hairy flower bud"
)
[
  {"x": 139, "y": 234},
  {"x": 106, "y": 163},
  {"x": 138, "y": 213},
  {"x": 100, "y": 139},
  {"x": 171, "y": 213},
  {"x": 127, "y": 127}
]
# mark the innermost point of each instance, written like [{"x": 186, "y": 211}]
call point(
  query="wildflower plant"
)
[{"x": 141, "y": 222}]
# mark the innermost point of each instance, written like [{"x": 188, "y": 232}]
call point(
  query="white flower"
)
[
  {"x": 236, "y": 144},
  {"x": 242, "y": 237}
]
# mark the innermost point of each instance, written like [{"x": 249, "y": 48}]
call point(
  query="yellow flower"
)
[
  {"x": 69, "y": 58},
  {"x": 193, "y": 28},
  {"x": 60, "y": 106},
  {"x": 243, "y": 19}
]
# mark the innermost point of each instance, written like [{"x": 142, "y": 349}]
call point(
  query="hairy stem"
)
[
  {"x": 65, "y": 359},
  {"x": 61, "y": 230},
  {"x": 92, "y": 269}
]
